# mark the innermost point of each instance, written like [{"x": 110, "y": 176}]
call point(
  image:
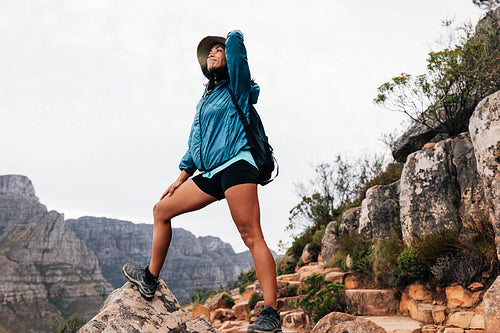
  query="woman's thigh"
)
[
  {"x": 243, "y": 204},
  {"x": 186, "y": 198}
]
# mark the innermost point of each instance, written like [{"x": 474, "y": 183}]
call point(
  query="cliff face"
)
[
  {"x": 47, "y": 271},
  {"x": 192, "y": 262}
]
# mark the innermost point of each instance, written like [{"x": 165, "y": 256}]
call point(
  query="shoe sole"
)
[
  {"x": 277, "y": 330},
  {"x": 144, "y": 294}
]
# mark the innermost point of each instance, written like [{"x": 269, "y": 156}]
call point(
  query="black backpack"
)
[{"x": 261, "y": 150}]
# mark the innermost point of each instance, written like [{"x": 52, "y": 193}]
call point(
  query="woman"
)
[{"x": 219, "y": 149}]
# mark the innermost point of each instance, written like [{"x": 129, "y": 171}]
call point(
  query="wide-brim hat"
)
[{"x": 204, "y": 48}]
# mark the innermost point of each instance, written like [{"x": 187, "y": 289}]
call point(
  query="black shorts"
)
[{"x": 240, "y": 172}]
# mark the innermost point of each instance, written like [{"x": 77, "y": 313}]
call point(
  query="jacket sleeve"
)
[
  {"x": 187, "y": 163},
  {"x": 237, "y": 65}
]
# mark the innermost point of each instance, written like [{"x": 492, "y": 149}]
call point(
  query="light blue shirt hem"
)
[{"x": 245, "y": 155}]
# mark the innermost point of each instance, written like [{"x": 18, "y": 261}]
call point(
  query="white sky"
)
[{"x": 97, "y": 97}]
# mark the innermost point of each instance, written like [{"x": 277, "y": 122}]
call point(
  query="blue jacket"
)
[{"x": 217, "y": 133}]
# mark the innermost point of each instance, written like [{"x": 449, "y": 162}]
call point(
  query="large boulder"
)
[
  {"x": 484, "y": 129},
  {"x": 427, "y": 193},
  {"x": 126, "y": 311},
  {"x": 441, "y": 189},
  {"x": 329, "y": 243},
  {"x": 379, "y": 215}
]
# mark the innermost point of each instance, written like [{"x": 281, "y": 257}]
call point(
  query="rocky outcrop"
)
[
  {"x": 47, "y": 271},
  {"x": 192, "y": 262},
  {"x": 334, "y": 230},
  {"x": 126, "y": 311},
  {"x": 379, "y": 215},
  {"x": 484, "y": 128},
  {"x": 440, "y": 189}
]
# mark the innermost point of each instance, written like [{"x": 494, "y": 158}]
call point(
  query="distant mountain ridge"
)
[
  {"x": 46, "y": 272},
  {"x": 192, "y": 262}
]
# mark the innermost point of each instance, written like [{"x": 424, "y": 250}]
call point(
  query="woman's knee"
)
[
  {"x": 160, "y": 213},
  {"x": 252, "y": 239}
]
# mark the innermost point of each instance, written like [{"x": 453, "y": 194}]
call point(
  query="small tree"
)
[{"x": 457, "y": 79}]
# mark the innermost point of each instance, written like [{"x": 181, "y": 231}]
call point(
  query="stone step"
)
[
  {"x": 396, "y": 324},
  {"x": 371, "y": 302}
]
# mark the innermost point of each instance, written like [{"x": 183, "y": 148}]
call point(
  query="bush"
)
[
  {"x": 385, "y": 260},
  {"x": 286, "y": 265},
  {"x": 254, "y": 299},
  {"x": 412, "y": 266},
  {"x": 321, "y": 297},
  {"x": 457, "y": 79},
  {"x": 70, "y": 325},
  {"x": 228, "y": 301}
]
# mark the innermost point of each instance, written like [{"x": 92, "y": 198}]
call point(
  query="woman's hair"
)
[{"x": 216, "y": 75}]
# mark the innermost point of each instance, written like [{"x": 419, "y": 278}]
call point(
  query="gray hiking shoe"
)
[
  {"x": 138, "y": 277},
  {"x": 268, "y": 321}
]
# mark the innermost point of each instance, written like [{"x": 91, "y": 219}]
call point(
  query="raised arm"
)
[{"x": 237, "y": 65}]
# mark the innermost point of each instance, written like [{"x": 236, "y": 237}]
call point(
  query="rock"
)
[
  {"x": 288, "y": 277},
  {"x": 491, "y": 300},
  {"x": 408, "y": 306},
  {"x": 349, "y": 223},
  {"x": 241, "y": 310},
  {"x": 453, "y": 330},
  {"x": 351, "y": 281},
  {"x": 221, "y": 300},
  {"x": 458, "y": 296},
  {"x": 247, "y": 294},
  {"x": 413, "y": 139},
  {"x": 192, "y": 262},
  {"x": 424, "y": 313},
  {"x": 379, "y": 215},
  {"x": 126, "y": 311},
  {"x": 426, "y": 193},
  {"x": 329, "y": 242},
  {"x": 357, "y": 326},
  {"x": 439, "y": 314},
  {"x": 331, "y": 320},
  {"x": 484, "y": 126},
  {"x": 335, "y": 277},
  {"x": 396, "y": 324},
  {"x": 370, "y": 302},
  {"x": 475, "y": 286},
  {"x": 307, "y": 256},
  {"x": 296, "y": 320},
  {"x": 419, "y": 292},
  {"x": 473, "y": 206},
  {"x": 306, "y": 271},
  {"x": 461, "y": 319},
  {"x": 47, "y": 272},
  {"x": 288, "y": 304},
  {"x": 201, "y": 309}
]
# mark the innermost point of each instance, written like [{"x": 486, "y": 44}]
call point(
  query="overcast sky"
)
[{"x": 97, "y": 97}]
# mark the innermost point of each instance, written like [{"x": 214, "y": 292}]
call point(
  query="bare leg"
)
[
  {"x": 243, "y": 203},
  {"x": 188, "y": 197}
]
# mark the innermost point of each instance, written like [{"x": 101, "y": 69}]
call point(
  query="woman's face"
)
[{"x": 216, "y": 57}]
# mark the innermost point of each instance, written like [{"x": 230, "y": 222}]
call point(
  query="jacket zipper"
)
[{"x": 199, "y": 122}]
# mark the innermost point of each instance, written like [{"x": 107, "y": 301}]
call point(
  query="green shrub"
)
[
  {"x": 254, "y": 299},
  {"x": 385, "y": 259},
  {"x": 321, "y": 297},
  {"x": 412, "y": 266},
  {"x": 292, "y": 304},
  {"x": 70, "y": 325},
  {"x": 286, "y": 265},
  {"x": 228, "y": 301}
]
